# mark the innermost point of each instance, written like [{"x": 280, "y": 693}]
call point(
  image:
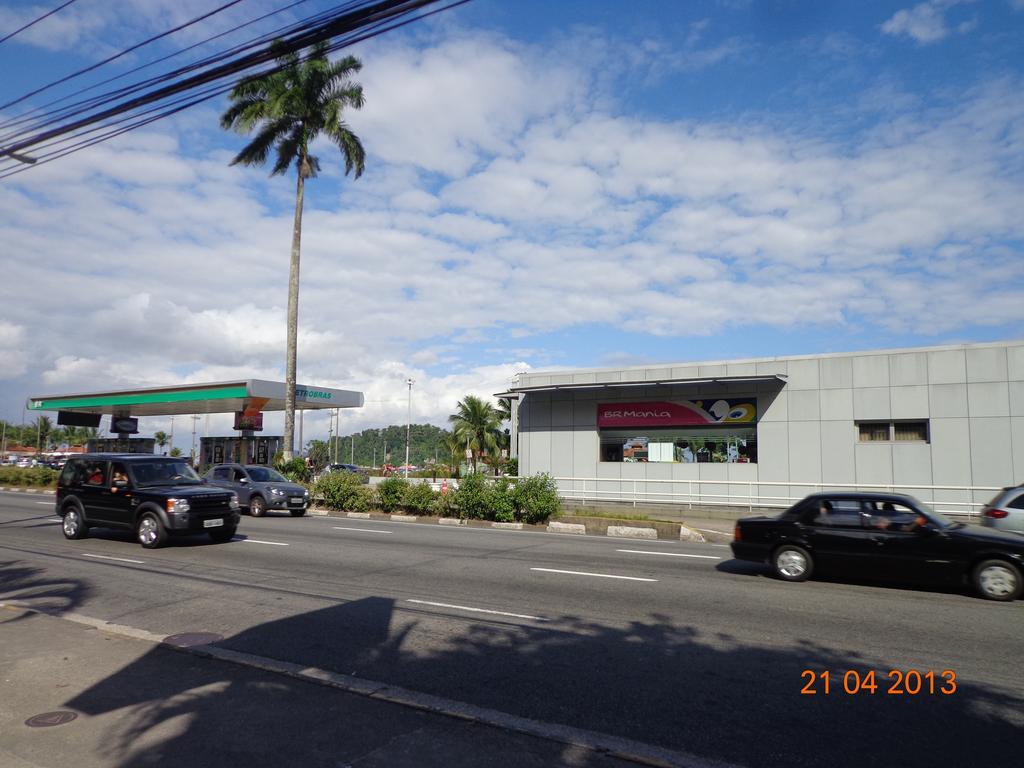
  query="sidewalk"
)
[{"x": 134, "y": 702}]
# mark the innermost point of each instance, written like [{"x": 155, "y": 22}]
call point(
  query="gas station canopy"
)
[{"x": 249, "y": 396}]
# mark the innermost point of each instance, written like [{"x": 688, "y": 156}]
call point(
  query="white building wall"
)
[{"x": 971, "y": 395}]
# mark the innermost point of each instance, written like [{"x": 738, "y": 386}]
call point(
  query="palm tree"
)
[
  {"x": 161, "y": 439},
  {"x": 289, "y": 107},
  {"x": 42, "y": 429},
  {"x": 475, "y": 424},
  {"x": 454, "y": 446}
]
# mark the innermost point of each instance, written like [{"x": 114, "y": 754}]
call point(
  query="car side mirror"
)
[{"x": 243, "y": 479}]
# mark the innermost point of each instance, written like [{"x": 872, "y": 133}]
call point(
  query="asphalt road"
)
[{"x": 666, "y": 643}]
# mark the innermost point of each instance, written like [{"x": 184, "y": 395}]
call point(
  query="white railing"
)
[{"x": 948, "y": 499}]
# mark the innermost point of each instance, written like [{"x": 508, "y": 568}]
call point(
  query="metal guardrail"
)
[{"x": 750, "y": 493}]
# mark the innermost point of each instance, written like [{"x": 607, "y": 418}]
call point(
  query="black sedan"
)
[{"x": 882, "y": 535}]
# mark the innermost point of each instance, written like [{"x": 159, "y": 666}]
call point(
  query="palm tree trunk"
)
[{"x": 293, "y": 323}]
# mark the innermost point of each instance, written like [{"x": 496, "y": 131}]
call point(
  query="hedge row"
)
[
  {"x": 530, "y": 500},
  {"x": 28, "y": 476}
]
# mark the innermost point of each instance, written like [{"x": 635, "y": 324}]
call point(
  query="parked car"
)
[
  {"x": 260, "y": 488},
  {"x": 882, "y": 535},
  {"x": 351, "y": 468},
  {"x": 154, "y": 496},
  {"x": 1006, "y": 511}
]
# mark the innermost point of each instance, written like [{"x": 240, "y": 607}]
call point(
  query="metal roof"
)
[
  {"x": 514, "y": 392},
  {"x": 253, "y": 395}
]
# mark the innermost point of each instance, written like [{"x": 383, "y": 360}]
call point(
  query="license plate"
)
[
  {"x": 296, "y": 500},
  {"x": 213, "y": 523}
]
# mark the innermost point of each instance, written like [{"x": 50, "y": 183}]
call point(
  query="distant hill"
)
[{"x": 425, "y": 441}]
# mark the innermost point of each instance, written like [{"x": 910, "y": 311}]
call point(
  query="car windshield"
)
[
  {"x": 164, "y": 472},
  {"x": 266, "y": 475}
]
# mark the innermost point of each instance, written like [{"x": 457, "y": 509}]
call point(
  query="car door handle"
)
[{"x": 878, "y": 540}]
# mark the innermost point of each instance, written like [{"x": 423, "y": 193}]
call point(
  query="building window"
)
[
  {"x": 874, "y": 431},
  {"x": 683, "y": 445},
  {"x": 888, "y": 431}
]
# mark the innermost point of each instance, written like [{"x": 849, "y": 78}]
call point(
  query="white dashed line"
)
[
  {"x": 257, "y": 541},
  {"x": 47, "y": 503},
  {"x": 586, "y": 573},
  {"x": 478, "y": 610},
  {"x": 361, "y": 530},
  {"x": 119, "y": 559},
  {"x": 667, "y": 554}
]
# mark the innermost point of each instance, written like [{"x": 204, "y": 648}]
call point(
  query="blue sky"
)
[{"x": 549, "y": 185}]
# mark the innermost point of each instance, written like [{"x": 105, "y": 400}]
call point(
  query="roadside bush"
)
[
  {"x": 535, "y": 499},
  {"x": 418, "y": 498},
  {"x": 295, "y": 469},
  {"x": 511, "y": 467},
  {"x": 28, "y": 476},
  {"x": 499, "y": 502},
  {"x": 472, "y": 497},
  {"x": 343, "y": 491},
  {"x": 390, "y": 493},
  {"x": 444, "y": 505}
]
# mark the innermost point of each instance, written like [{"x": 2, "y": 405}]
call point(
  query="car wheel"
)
[
  {"x": 792, "y": 563},
  {"x": 150, "y": 531},
  {"x": 298, "y": 512},
  {"x": 257, "y": 506},
  {"x": 74, "y": 526},
  {"x": 997, "y": 580},
  {"x": 222, "y": 535}
]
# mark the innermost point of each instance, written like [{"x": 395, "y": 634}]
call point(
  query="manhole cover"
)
[
  {"x": 191, "y": 639},
  {"x": 48, "y": 719}
]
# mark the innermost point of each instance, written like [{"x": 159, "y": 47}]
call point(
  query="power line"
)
[
  {"x": 35, "y": 21},
  {"x": 27, "y": 116},
  {"x": 352, "y": 22},
  {"x": 116, "y": 56}
]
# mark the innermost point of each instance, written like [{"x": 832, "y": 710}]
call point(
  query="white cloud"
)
[{"x": 926, "y": 22}]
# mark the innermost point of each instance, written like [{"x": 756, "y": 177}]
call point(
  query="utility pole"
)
[
  {"x": 171, "y": 446},
  {"x": 352, "y": 453},
  {"x": 302, "y": 414},
  {"x": 194, "y": 420},
  {"x": 408, "y": 428}
]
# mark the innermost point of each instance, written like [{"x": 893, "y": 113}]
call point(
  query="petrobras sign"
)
[
  {"x": 677, "y": 413},
  {"x": 305, "y": 393}
]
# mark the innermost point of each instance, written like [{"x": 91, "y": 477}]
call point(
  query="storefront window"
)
[{"x": 685, "y": 445}]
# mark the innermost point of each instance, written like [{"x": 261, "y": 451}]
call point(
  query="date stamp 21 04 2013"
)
[{"x": 852, "y": 682}]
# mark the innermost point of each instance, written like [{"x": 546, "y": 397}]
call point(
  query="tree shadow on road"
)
[
  {"x": 652, "y": 680},
  {"x": 28, "y": 586}
]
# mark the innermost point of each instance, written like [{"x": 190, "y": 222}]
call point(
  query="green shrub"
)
[
  {"x": 343, "y": 491},
  {"x": 499, "y": 502},
  {"x": 511, "y": 467},
  {"x": 418, "y": 497},
  {"x": 28, "y": 476},
  {"x": 535, "y": 498},
  {"x": 472, "y": 497},
  {"x": 444, "y": 505},
  {"x": 294, "y": 469},
  {"x": 390, "y": 493}
]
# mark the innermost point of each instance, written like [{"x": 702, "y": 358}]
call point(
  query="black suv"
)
[{"x": 155, "y": 496}]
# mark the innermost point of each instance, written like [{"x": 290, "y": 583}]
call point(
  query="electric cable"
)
[{"x": 35, "y": 21}]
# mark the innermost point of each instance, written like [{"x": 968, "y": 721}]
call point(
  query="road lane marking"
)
[
  {"x": 667, "y": 554},
  {"x": 586, "y": 573},
  {"x": 361, "y": 530},
  {"x": 119, "y": 559},
  {"x": 257, "y": 541},
  {"x": 478, "y": 610},
  {"x": 47, "y": 503}
]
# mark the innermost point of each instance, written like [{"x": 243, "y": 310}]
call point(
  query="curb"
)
[
  {"x": 18, "y": 489},
  {"x": 657, "y": 531},
  {"x": 632, "y": 532}
]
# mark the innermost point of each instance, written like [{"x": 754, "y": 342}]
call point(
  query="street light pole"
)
[
  {"x": 194, "y": 420},
  {"x": 408, "y": 428}
]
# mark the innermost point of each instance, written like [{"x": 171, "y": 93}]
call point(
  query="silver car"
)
[
  {"x": 260, "y": 488},
  {"x": 1005, "y": 511}
]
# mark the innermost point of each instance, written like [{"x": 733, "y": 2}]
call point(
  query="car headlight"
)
[
  {"x": 233, "y": 503},
  {"x": 277, "y": 492},
  {"x": 177, "y": 506},
  {"x": 306, "y": 493}
]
